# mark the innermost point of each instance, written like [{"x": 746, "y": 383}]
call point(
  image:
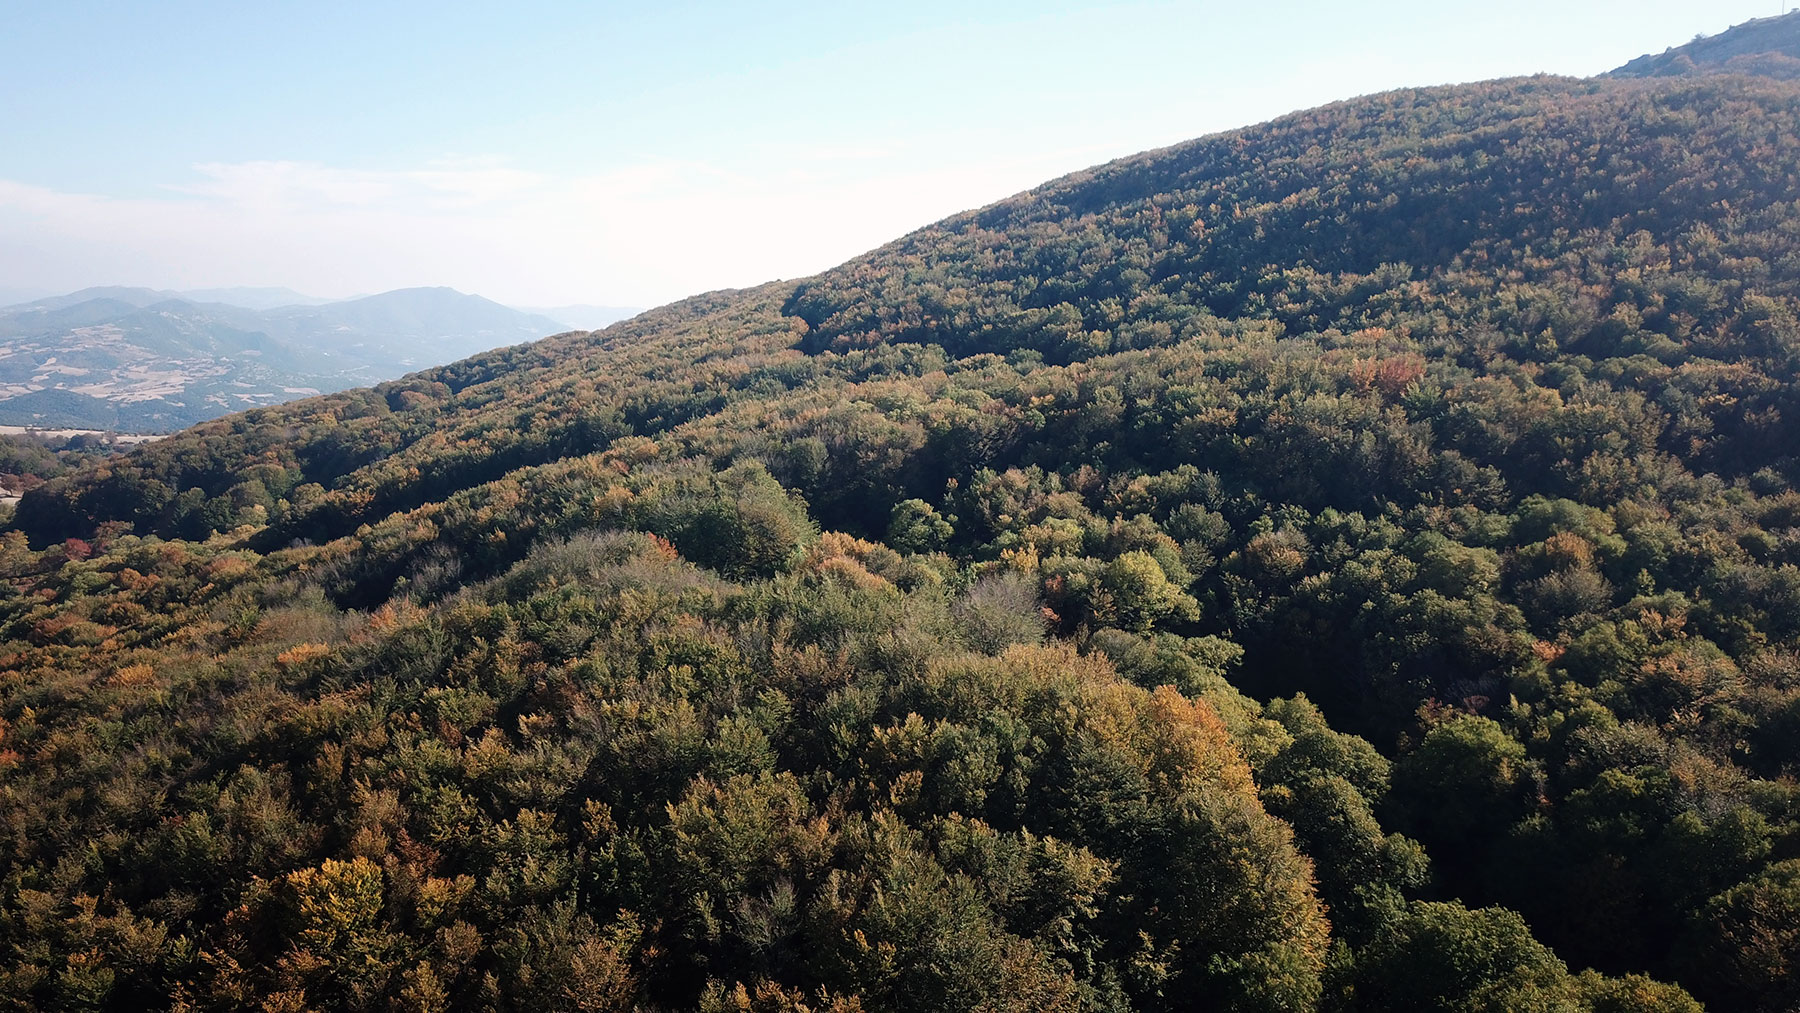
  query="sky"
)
[{"x": 546, "y": 153}]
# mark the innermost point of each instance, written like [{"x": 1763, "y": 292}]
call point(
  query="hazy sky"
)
[{"x": 543, "y": 153}]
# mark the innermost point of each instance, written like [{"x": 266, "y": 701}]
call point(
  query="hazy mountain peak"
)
[
  {"x": 137, "y": 297},
  {"x": 254, "y": 298},
  {"x": 423, "y": 295},
  {"x": 1769, "y": 47}
]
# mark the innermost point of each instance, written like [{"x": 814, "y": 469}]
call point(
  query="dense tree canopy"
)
[{"x": 1350, "y": 563}]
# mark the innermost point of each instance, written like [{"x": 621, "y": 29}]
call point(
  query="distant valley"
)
[{"x": 143, "y": 360}]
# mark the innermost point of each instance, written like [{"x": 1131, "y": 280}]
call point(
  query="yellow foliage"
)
[
  {"x": 770, "y": 997},
  {"x": 297, "y": 655},
  {"x": 133, "y": 675}
]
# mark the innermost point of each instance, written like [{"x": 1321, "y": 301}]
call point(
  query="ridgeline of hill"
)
[
  {"x": 1767, "y": 47},
  {"x": 1347, "y": 563}
]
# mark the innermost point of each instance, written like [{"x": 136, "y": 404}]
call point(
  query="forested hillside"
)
[{"x": 1348, "y": 563}]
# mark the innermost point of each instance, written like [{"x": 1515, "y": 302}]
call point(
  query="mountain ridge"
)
[
  {"x": 1764, "y": 47},
  {"x": 157, "y": 360},
  {"x": 255, "y": 298}
]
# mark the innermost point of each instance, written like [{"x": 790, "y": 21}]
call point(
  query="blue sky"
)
[{"x": 544, "y": 153}]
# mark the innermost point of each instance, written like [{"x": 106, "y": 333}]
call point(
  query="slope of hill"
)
[
  {"x": 1769, "y": 47},
  {"x": 1347, "y": 563},
  {"x": 145, "y": 360}
]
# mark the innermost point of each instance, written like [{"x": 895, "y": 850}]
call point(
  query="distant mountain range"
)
[
  {"x": 585, "y": 317},
  {"x": 138, "y": 359},
  {"x": 10, "y": 294},
  {"x": 254, "y": 298}
]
